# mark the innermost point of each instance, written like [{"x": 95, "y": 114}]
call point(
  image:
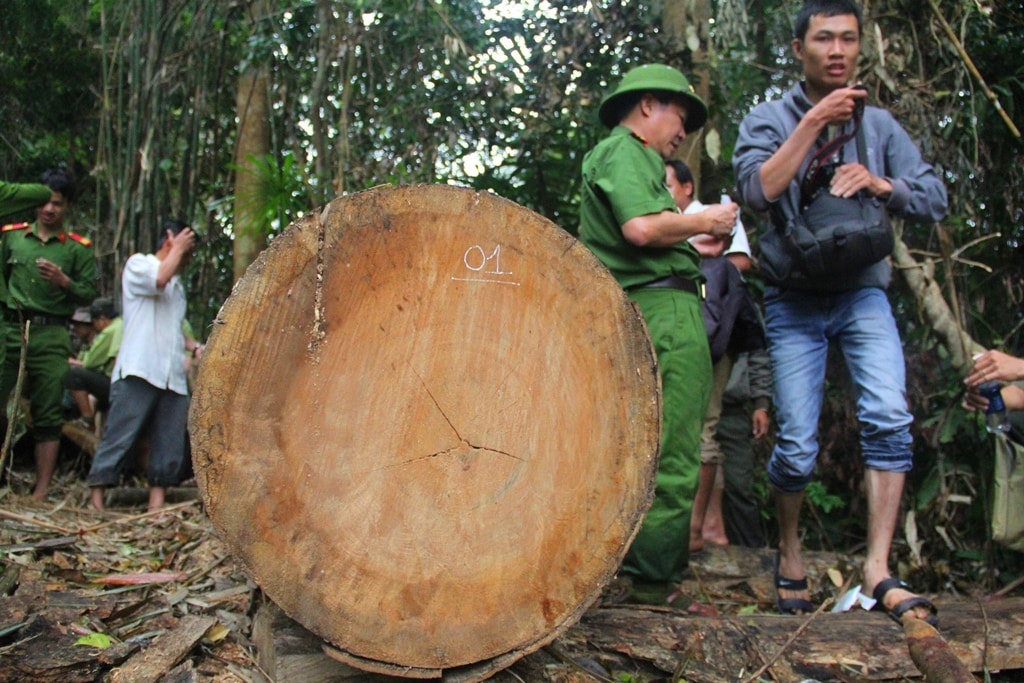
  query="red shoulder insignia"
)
[
  {"x": 84, "y": 241},
  {"x": 14, "y": 226}
]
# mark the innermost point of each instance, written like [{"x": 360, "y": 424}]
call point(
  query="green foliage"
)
[
  {"x": 818, "y": 495},
  {"x": 45, "y": 101},
  {"x": 97, "y": 640},
  {"x": 285, "y": 190}
]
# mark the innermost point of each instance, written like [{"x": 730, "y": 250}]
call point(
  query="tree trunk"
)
[
  {"x": 919, "y": 277},
  {"x": 427, "y": 422},
  {"x": 686, "y": 22},
  {"x": 252, "y": 145}
]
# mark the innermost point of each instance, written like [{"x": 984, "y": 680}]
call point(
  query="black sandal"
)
[
  {"x": 791, "y": 605},
  {"x": 904, "y": 606}
]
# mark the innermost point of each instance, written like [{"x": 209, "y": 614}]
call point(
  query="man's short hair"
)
[
  {"x": 103, "y": 308},
  {"x": 827, "y": 8},
  {"x": 682, "y": 171},
  {"x": 60, "y": 179},
  {"x": 617, "y": 110},
  {"x": 175, "y": 227}
]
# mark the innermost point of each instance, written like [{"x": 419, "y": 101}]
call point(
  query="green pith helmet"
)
[{"x": 650, "y": 78}]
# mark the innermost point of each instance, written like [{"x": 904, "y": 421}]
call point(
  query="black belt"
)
[
  {"x": 676, "y": 282},
  {"x": 37, "y": 319}
]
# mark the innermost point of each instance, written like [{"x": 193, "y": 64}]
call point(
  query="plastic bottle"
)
[
  {"x": 996, "y": 420},
  {"x": 725, "y": 199}
]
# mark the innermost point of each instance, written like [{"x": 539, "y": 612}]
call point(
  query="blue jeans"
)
[{"x": 800, "y": 327}]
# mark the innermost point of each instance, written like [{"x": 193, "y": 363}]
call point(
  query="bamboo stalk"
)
[
  {"x": 973, "y": 69},
  {"x": 12, "y": 417}
]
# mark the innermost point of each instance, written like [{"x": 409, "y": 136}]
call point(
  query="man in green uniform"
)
[
  {"x": 49, "y": 273},
  {"x": 630, "y": 221},
  {"x": 14, "y": 198},
  {"x": 89, "y": 375}
]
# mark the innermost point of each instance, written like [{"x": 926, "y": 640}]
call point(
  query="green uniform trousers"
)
[
  {"x": 46, "y": 366},
  {"x": 660, "y": 551}
]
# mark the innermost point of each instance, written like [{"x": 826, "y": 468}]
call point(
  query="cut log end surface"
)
[{"x": 427, "y": 422}]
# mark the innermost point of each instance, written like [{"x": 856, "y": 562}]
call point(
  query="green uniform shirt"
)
[
  {"x": 623, "y": 178},
  {"x": 102, "y": 353},
  {"x": 16, "y": 197},
  {"x": 26, "y": 289}
]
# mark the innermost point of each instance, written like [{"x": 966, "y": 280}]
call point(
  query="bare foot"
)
[
  {"x": 696, "y": 543},
  {"x": 96, "y": 497},
  {"x": 716, "y": 539},
  {"x": 156, "y": 498}
]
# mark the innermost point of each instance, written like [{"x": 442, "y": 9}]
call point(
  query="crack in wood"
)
[
  {"x": 319, "y": 318},
  {"x": 455, "y": 431}
]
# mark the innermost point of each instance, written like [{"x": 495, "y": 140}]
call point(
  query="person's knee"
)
[
  {"x": 790, "y": 476},
  {"x": 888, "y": 450},
  {"x": 74, "y": 379}
]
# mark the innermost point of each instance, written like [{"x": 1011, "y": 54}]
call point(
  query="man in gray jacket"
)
[{"x": 804, "y": 313}]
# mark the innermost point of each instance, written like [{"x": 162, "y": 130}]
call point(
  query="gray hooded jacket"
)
[{"x": 917, "y": 191}]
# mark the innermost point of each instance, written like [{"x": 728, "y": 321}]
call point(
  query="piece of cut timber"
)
[{"x": 427, "y": 423}]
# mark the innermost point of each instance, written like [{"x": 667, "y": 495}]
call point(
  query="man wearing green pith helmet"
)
[{"x": 630, "y": 221}]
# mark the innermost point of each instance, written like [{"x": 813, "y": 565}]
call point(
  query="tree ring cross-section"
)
[{"x": 427, "y": 423}]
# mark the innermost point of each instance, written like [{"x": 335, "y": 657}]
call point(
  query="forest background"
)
[{"x": 238, "y": 116}]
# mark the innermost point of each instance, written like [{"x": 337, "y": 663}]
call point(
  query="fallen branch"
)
[
  {"x": 133, "y": 518},
  {"x": 12, "y": 415},
  {"x": 1005, "y": 590},
  {"x": 932, "y": 654},
  {"x": 143, "y": 579},
  {"x": 36, "y": 522}
]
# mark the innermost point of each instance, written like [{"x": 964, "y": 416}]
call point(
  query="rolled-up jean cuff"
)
[{"x": 787, "y": 483}]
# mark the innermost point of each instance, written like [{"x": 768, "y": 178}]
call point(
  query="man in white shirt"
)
[
  {"x": 706, "y": 520},
  {"x": 149, "y": 387}
]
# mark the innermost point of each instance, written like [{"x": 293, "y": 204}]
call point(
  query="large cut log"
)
[{"x": 427, "y": 423}]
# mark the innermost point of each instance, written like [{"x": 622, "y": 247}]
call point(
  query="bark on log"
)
[
  {"x": 164, "y": 653},
  {"x": 427, "y": 422},
  {"x": 42, "y": 654},
  {"x": 863, "y": 646},
  {"x": 856, "y": 646}
]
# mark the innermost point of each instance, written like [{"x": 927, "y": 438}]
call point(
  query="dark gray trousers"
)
[
  {"x": 741, "y": 508},
  {"x": 138, "y": 408}
]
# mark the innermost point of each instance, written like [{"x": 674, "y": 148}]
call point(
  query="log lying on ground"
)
[
  {"x": 427, "y": 423},
  {"x": 857, "y": 645}
]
